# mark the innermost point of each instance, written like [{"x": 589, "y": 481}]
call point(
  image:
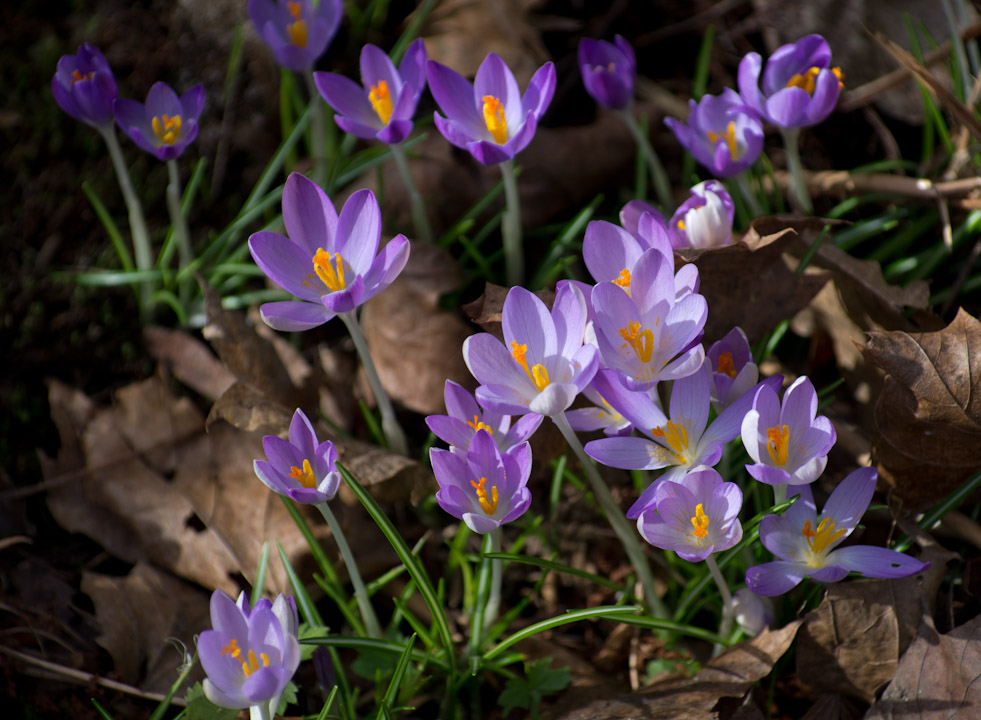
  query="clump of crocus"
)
[
  {"x": 722, "y": 133},
  {"x": 166, "y": 124},
  {"x": 787, "y": 442},
  {"x": 249, "y": 655},
  {"x": 302, "y": 468},
  {"x": 485, "y": 488},
  {"x": 806, "y": 543},
  {"x": 608, "y": 71},
  {"x": 297, "y": 31},
  {"x": 705, "y": 219},
  {"x": 733, "y": 371},
  {"x": 84, "y": 87}
]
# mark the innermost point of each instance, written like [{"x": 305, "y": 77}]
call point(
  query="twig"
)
[{"x": 844, "y": 182}]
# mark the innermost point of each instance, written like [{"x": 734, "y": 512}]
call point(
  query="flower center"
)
[
  {"x": 676, "y": 436},
  {"x": 729, "y": 136},
  {"x": 538, "y": 374},
  {"x": 623, "y": 280},
  {"x": 640, "y": 340},
  {"x": 700, "y": 521},
  {"x": 818, "y": 540},
  {"x": 167, "y": 128},
  {"x": 331, "y": 272},
  {"x": 305, "y": 476},
  {"x": 778, "y": 442},
  {"x": 78, "y": 77},
  {"x": 489, "y": 506},
  {"x": 250, "y": 666},
  {"x": 497, "y": 125},
  {"x": 726, "y": 366},
  {"x": 381, "y": 101},
  {"x": 297, "y": 30},
  {"x": 808, "y": 79},
  {"x": 477, "y": 424}
]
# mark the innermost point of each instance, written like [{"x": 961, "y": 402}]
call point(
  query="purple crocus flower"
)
[
  {"x": 722, "y": 133},
  {"x": 799, "y": 86},
  {"x": 602, "y": 416},
  {"x": 302, "y": 468},
  {"x": 465, "y": 417},
  {"x": 733, "y": 370},
  {"x": 705, "y": 219},
  {"x": 383, "y": 108},
  {"x": 805, "y": 542},
  {"x": 608, "y": 71},
  {"x": 84, "y": 87},
  {"x": 787, "y": 443},
  {"x": 543, "y": 364},
  {"x": 331, "y": 263},
  {"x": 485, "y": 489},
  {"x": 166, "y": 124},
  {"x": 295, "y": 30},
  {"x": 681, "y": 441},
  {"x": 695, "y": 517},
  {"x": 490, "y": 118},
  {"x": 249, "y": 656}
]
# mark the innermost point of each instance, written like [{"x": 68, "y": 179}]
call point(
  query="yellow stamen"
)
[
  {"x": 253, "y": 664},
  {"x": 623, "y": 280},
  {"x": 700, "y": 521},
  {"x": 725, "y": 365},
  {"x": 818, "y": 540},
  {"x": 538, "y": 373},
  {"x": 330, "y": 273},
  {"x": 297, "y": 30},
  {"x": 676, "y": 436},
  {"x": 167, "y": 128},
  {"x": 729, "y": 136},
  {"x": 489, "y": 506},
  {"x": 808, "y": 79},
  {"x": 305, "y": 476},
  {"x": 494, "y": 118},
  {"x": 477, "y": 424},
  {"x": 78, "y": 77},
  {"x": 681, "y": 224},
  {"x": 778, "y": 444},
  {"x": 381, "y": 101},
  {"x": 641, "y": 341},
  {"x": 231, "y": 649}
]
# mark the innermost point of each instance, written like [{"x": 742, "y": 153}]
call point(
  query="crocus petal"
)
[
  {"x": 359, "y": 231},
  {"x": 876, "y": 562},
  {"x": 541, "y": 87},
  {"x": 490, "y": 362},
  {"x": 527, "y": 321},
  {"x": 849, "y": 501},
  {"x": 495, "y": 79},
  {"x": 286, "y": 264},
  {"x": 294, "y": 316},
  {"x": 555, "y": 398},
  {"x": 347, "y": 98},
  {"x": 774, "y": 578},
  {"x": 455, "y": 97},
  {"x": 628, "y": 453},
  {"x": 309, "y": 215},
  {"x": 347, "y": 299},
  {"x": 387, "y": 266}
]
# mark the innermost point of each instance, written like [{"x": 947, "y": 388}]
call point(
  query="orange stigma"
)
[
  {"x": 700, "y": 521},
  {"x": 331, "y": 272},
  {"x": 778, "y": 444},
  {"x": 726, "y": 366},
  {"x": 305, "y": 476},
  {"x": 297, "y": 30},
  {"x": 489, "y": 506},
  {"x": 167, "y": 128},
  {"x": 729, "y": 136},
  {"x": 381, "y": 101},
  {"x": 640, "y": 340},
  {"x": 537, "y": 373},
  {"x": 497, "y": 124}
]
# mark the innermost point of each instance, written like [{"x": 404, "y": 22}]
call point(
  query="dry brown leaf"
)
[
  {"x": 928, "y": 417},
  {"x": 244, "y": 407},
  {"x": 189, "y": 360},
  {"x": 731, "y": 675},
  {"x": 144, "y": 618},
  {"x": 486, "y": 311},
  {"x": 938, "y": 677}
]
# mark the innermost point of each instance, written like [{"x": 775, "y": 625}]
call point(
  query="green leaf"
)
[
  {"x": 527, "y": 692},
  {"x": 546, "y": 680},
  {"x": 200, "y": 707}
]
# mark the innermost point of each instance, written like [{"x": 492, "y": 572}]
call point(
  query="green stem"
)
[
  {"x": 488, "y": 598},
  {"x": 419, "y": 218},
  {"x": 791, "y": 146},
  {"x": 390, "y": 424},
  {"x": 317, "y": 131},
  {"x": 261, "y": 711},
  {"x": 514, "y": 258},
  {"x": 754, "y": 205},
  {"x": 497, "y": 566},
  {"x": 725, "y": 628},
  {"x": 177, "y": 220},
  {"x": 616, "y": 518},
  {"x": 779, "y": 494},
  {"x": 137, "y": 223},
  {"x": 360, "y": 594},
  {"x": 659, "y": 178}
]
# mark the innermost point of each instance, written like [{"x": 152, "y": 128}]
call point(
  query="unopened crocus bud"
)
[
  {"x": 85, "y": 88},
  {"x": 705, "y": 219},
  {"x": 608, "y": 71},
  {"x": 752, "y": 612}
]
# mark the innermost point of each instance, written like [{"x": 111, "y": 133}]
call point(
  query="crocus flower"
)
[
  {"x": 752, "y": 612},
  {"x": 249, "y": 656},
  {"x": 465, "y": 417},
  {"x": 799, "y": 86},
  {"x": 383, "y": 108},
  {"x": 805, "y": 542},
  {"x": 490, "y": 118},
  {"x": 166, "y": 124},
  {"x": 705, "y": 219},
  {"x": 331, "y": 263},
  {"x": 695, "y": 517},
  {"x": 301, "y": 468},
  {"x": 543, "y": 364},
  {"x": 680, "y": 441},
  {"x": 733, "y": 370},
  {"x": 650, "y": 334},
  {"x": 601, "y": 416},
  {"x": 722, "y": 133},
  {"x": 485, "y": 489},
  {"x": 634, "y": 210},
  {"x": 787, "y": 443},
  {"x": 295, "y": 30},
  {"x": 608, "y": 71},
  {"x": 85, "y": 88}
]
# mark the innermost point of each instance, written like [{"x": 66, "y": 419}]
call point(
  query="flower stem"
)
[
  {"x": 488, "y": 599},
  {"x": 260, "y": 711},
  {"x": 177, "y": 221},
  {"x": 659, "y": 178},
  {"x": 791, "y": 146},
  {"x": 725, "y": 627},
  {"x": 779, "y": 494},
  {"x": 390, "y": 424},
  {"x": 621, "y": 526},
  {"x": 360, "y": 594},
  {"x": 419, "y": 218},
  {"x": 317, "y": 131},
  {"x": 742, "y": 182},
  {"x": 137, "y": 223},
  {"x": 514, "y": 258}
]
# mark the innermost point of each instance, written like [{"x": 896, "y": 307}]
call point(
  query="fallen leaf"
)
[
  {"x": 486, "y": 311},
  {"x": 937, "y": 678},
  {"x": 189, "y": 359},
  {"x": 928, "y": 416}
]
